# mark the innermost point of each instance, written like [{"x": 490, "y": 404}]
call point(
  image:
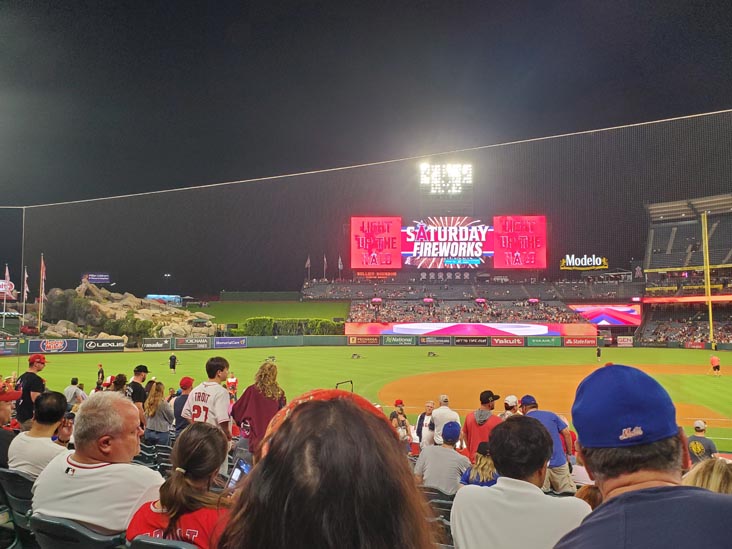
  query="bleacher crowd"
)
[{"x": 329, "y": 469}]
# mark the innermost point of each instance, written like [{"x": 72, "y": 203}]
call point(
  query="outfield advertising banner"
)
[
  {"x": 625, "y": 341},
  {"x": 230, "y": 343},
  {"x": 364, "y": 340},
  {"x": 157, "y": 344},
  {"x": 398, "y": 340},
  {"x": 471, "y": 341},
  {"x": 435, "y": 340},
  {"x": 470, "y": 329},
  {"x": 694, "y": 345},
  {"x": 549, "y": 341},
  {"x": 103, "y": 345},
  {"x": 192, "y": 343},
  {"x": 507, "y": 342},
  {"x": 9, "y": 347},
  {"x": 580, "y": 342},
  {"x": 49, "y": 346}
]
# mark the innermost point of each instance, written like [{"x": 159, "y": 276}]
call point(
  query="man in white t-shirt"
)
[
  {"x": 209, "y": 401},
  {"x": 32, "y": 450},
  {"x": 515, "y": 512},
  {"x": 442, "y": 415},
  {"x": 97, "y": 485}
]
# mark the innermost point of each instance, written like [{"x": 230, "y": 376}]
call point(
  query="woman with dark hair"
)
[
  {"x": 258, "y": 404},
  {"x": 118, "y": 383},
  {"x": 187, "y": 510},
  {"x": 332, "y": 474}
]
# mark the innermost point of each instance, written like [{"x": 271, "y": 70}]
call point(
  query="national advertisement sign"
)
[
  {"x": 50, "y": 346},
  {"x": 502, "y": 341},
  {"x": 471, "y": 341},
  {"x": 9, "y": 347},
  {"x": 192, "y": 343},
  {"x": 547, "y": 341},
  {"x": 230, "y": 343},
  {"x": 157, "y": 344},
  {"x": 435, "y": 340},
  {"x": 364, "y": 340},
  {"x": 103, "y": 345},
  {"x": 625, "y": 341},
  {"x": 398, "y": 340},
  {"x": 580, "y": 342}
]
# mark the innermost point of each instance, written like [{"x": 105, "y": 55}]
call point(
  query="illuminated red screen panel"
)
[
  {"x": 519, "y": 242},
  {"x": 376, "y": 243}
]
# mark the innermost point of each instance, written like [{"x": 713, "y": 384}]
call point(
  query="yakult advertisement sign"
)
[{"x": 507, "y": 342}]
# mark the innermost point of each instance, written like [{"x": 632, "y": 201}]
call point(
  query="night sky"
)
[{"x": 107, "y": 98}]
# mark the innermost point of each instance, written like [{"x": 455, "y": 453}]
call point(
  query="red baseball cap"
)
[
  {"x": 36, "y": 358},
  {"x": 186, "y": 382},
  {"x": 399, "y": 402},
  {"x": 7, "y": 394}
]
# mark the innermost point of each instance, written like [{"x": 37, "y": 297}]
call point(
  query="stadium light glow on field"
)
[{"x": 445, "y": 179}]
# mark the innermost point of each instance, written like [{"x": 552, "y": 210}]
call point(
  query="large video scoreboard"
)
[{"x": 510, "y": 242}]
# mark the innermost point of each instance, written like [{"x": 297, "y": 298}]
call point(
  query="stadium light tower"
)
[{"x": 446, "y": 188}]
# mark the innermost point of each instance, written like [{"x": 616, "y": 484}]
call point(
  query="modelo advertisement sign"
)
[
  {"x": 571, "y": 262},
  {"x": 398, "y": 340},
  {"x": 546, "y": 341},
  {"x": 9, "y": 347},
  {"x": 364, "y": 340},
  {"x": 435, "y": 340},
  {"x": 471, "y": 341},
  {"x": 50, "y": 346},
  {"x": 192, "y": 343},
  {"x": 694, "y": 345},
  {"x": 625, "y": 341},
  {"x": 580, "y": 342},
  {"x": 104, "y": 345},
  {"x": 511, "y": 341},
  {"x": 230, "y": 343},
  {"x": 157, "y": 344}
]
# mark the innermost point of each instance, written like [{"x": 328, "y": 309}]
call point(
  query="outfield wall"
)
[{"x": 57, "y": 346}]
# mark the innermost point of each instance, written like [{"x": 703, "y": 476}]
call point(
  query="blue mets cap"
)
[{"x": 618, "y": 406}]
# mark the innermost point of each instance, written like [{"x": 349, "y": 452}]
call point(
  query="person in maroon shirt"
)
[{"x": 258, "y": 404}]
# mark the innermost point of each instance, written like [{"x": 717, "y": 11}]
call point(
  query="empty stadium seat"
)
[{"x": 59, "y": 533}]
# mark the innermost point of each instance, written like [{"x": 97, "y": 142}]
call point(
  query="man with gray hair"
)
[{"x": 97, "y": 485}]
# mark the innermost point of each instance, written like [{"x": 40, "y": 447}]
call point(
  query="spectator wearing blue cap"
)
[
  {"x": 631, "y": 446},
  {"x": 441, "y": 466},
  {"x": 558, "y": 477}
]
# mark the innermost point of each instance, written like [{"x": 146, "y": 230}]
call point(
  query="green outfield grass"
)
[
  {"x": 235, "y": 312},
  {"x": 304, "y": 368}
]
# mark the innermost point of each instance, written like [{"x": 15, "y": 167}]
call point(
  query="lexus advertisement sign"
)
[{"x": 103, "y": 345}]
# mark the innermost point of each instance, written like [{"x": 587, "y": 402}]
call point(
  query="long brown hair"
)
[
  {"x": 154, "y": 398},
  {"x": 266, "y": 381},
  {"x": 197, "y": 455},
  {"x": 333, "y": 476}
]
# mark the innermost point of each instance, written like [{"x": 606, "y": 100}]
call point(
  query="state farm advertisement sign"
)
[
  {"x": 694, "y": 345},
  {"x": 507, "y": 342},
  {"x": 580, "y": 341}
]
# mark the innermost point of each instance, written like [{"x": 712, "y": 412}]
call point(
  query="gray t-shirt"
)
[
  {"x": 441, "y": 468},
  {"x": 701, "y": 448}
]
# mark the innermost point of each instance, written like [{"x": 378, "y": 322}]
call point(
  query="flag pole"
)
[
  {"x": 40, "y": 297},
  {"x": 25, "y": 293},
  {"x": 5, "y": 294}
]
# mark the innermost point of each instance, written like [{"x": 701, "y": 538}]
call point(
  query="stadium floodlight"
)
[{"x": 446, "y": 179}]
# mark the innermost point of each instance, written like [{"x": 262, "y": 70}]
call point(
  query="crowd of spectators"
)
[
  {"x": 311, "y": 483},
  {"x": 462, "y": 311}
]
